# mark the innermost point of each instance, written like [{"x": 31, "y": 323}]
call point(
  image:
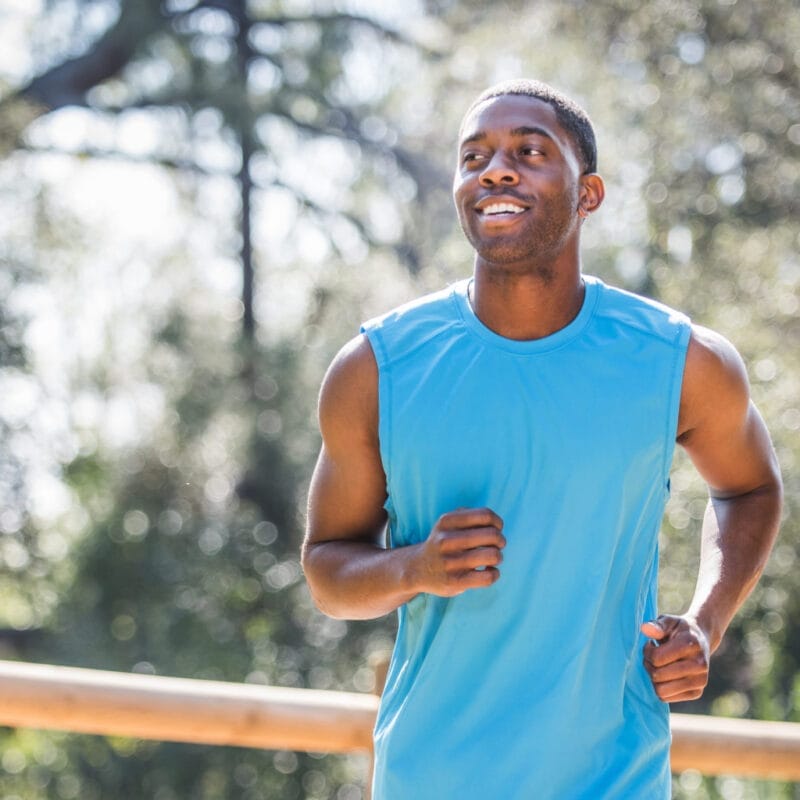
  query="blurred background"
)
[{"x": 199, "y": 202}]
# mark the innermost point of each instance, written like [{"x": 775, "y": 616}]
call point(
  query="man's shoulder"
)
[
  {"x": 431, "y": 304},
  {"x": 643, "y": 314},
  {"x": 411, "y": 325}
]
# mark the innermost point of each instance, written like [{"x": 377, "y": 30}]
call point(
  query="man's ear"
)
[{"x": 591, "y": 193}]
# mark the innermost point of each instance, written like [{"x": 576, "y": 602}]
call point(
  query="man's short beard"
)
[
  {"x": 535, "y": 252},
  {"x": 515, "y": 257},
  {"x": 507, "y": 260}
]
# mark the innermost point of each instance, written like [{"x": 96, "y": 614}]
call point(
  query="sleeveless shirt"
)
[{"x": 533, "y": 688}]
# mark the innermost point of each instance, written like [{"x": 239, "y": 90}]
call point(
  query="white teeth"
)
[{"x": 502, "y": 208}]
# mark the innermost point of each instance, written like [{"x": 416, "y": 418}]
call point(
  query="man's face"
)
[{"x": 516, "y": 186}]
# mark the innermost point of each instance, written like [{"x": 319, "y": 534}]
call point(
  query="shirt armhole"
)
[
  {"x": 376, "y": 340},
  {"x": 674, "y": 401}
]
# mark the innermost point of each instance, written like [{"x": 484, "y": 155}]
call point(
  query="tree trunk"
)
[{"x": 247, "y": 145}]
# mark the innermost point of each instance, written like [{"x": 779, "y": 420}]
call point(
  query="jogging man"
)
[{"x": 513, "y": 433}]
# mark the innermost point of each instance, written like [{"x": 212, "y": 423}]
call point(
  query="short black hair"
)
[{"x": 571, "y": 116}]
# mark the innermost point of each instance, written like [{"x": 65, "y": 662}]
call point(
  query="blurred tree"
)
[
  {"x": 260, "y": 75},
  {"x": 18, "y": 387},
  {"x": 186, "y": 561},
  {"x": 26, "y": 555}
]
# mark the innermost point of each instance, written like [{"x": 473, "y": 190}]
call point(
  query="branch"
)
[
  {"x": 406, "y": 252},
  {"x": 178, "y": 164},
  {"x": 355, "y": 19},
  {"x": 67, "y": 83},
  {"x": 232, "y": 8},
  {"x": 424, "y": 173},
  {"x": 193, "y": 167}
]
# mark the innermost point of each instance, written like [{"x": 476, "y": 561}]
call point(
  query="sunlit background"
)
[{"x": 201, "y": 200}]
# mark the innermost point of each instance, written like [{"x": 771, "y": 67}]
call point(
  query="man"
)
[{"x": 516, "y": 431}]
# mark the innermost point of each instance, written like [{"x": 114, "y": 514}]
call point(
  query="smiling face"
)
[{"x": 519, "y": 188}]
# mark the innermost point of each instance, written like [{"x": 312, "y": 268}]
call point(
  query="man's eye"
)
[
  {"x": 531, "y": 151},
  {"x": 472, "y": 157}
]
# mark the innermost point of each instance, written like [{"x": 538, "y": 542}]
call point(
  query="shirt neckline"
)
[{"x": 555, "y": 340}]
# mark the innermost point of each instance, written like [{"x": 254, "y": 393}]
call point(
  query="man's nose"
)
[{"x": 499, "y": 170}]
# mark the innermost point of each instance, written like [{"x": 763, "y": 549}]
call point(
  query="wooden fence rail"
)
[{"x": 247, "y": 715}]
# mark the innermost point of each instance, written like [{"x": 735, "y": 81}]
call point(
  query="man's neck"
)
[{"x": 526, "y": 305}]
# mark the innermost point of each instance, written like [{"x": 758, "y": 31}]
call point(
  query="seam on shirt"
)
[
  {"x": 681, "y": 345},
  {"x": 375, "y": 338},
  {"x": 648, "y": 332},
  {"x": 669, "y": 315},
  {"x": 646, "y": 306}
]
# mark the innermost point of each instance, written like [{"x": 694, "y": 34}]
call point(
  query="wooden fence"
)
[{"x": 248, "y": 715}]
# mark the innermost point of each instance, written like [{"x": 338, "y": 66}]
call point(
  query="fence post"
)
[{"x": 379, "y": 662}]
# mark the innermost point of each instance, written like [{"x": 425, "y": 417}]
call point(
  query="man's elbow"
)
[
  {"x": 318, "y": 574},
  {"x": 328, "y": 608},
  {"x": 773, "y": 487}
]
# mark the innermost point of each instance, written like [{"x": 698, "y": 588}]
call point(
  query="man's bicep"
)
[
  {"x": 348, "y": 488},
  {"x": 737, "y": 460},
  {"x": 723, "y": 434},
  {"x": 345, "y": 500}
]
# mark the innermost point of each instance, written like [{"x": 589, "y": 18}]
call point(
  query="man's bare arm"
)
[
  {"x": 350, "y": 574},
  {"x": 726, "y": 439}
]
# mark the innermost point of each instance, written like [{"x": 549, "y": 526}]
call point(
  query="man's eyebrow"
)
[
  {"x": 523, "y": 130},
  {"x": 475, "y": 137},
  {"x": 531, "y": 130}
]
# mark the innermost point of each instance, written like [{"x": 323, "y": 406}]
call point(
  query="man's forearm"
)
[
  {"x": 358, "y": 580},
  {"x": 738, "y": 533}
]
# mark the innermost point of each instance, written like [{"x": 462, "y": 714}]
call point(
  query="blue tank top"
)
[{"x": 533, "y": 688}]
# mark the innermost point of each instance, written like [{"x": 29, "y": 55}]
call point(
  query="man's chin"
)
[{"x": 504, "y": 254}]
